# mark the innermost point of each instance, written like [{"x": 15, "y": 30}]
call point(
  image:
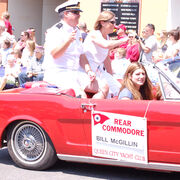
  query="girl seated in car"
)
[{"x": 136, "y": 84}]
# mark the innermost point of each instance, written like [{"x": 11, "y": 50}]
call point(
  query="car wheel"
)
[{"x": 30, "y": 147}]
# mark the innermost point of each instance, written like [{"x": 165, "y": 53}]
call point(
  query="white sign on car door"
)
[{"x": 118, "y": 136}]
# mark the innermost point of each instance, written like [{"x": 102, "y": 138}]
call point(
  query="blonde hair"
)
[
  {"x": 121, "y": 51},
  {"x": 104, "y": 16},
  {"x": 31, "y": 46},
  {"x": 18, "y": 52},
  {"x": 6, "y": 15},
  {"x": 145, "y": 91}
]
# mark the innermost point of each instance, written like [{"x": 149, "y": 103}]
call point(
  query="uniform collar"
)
[{"x": 67, "y": 26}]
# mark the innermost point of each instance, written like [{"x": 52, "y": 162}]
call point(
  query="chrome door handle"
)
[{"x": 88, "y": 107}]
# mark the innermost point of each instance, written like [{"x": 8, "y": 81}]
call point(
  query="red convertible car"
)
[{"x": 40, "y": 124}]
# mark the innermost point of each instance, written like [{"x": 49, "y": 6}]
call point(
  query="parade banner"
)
[{"x": 120, "y": 137}]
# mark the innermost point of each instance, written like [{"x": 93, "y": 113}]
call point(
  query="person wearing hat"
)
[
  {"x": 64, "y": 55},
  {"x": 133, "y": 47},
  {"x": 32, "y": 34},
  {"x": 121, "y": 33},
  {"x": 35, "y": 71}
]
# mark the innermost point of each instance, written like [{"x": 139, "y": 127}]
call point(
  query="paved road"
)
[{"x": 76, "y": 171}]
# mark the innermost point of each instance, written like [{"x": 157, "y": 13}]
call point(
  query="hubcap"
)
[{"x": 29, "y": 142}]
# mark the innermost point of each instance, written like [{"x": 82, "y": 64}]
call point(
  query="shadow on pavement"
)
[
  {"x": 111, "y": 172},
  {"x": 4, "y": 157},
  {"x": 98, "y": 171}
]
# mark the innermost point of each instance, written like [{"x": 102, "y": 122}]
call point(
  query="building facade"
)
[{"x": 40, "y": 14}]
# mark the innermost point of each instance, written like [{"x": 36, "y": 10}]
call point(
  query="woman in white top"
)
[
  {"x": 28, "y": 53},
  {"x": 96, "y": 47},
  {"x": 173, "y": 37}
]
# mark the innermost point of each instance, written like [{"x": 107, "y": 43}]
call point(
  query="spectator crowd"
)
[{"x": 22, "y": 59}]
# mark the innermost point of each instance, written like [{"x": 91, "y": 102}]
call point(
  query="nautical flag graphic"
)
[{"x": 99, "y": 118}]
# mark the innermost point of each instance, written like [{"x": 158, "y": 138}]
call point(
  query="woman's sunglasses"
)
[{"x": 112, "y": 22}]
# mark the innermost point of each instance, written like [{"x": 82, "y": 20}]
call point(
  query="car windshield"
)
[
  {"x": 174, "y": 67},
  {"x": 170, "y": 79},
  {"x": 170, "y": 92}
]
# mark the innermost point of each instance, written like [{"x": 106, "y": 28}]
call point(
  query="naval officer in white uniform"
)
[{"x": 64, "y": 55}]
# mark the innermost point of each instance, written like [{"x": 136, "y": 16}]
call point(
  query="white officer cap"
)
[{"x": 68, "y": 6}]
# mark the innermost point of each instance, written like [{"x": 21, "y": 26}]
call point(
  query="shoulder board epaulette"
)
[{"x": 59, "y": 25}]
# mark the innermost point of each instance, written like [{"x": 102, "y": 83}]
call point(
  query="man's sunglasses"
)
[{"x": 75, "y": 12}]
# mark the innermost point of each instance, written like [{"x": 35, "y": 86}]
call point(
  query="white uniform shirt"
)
[
  {"x": 64, "y": 71},
  {"x": 56, "y": 36}
]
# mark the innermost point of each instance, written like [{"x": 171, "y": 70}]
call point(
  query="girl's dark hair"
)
[
  {"x": 175, "y": 34},
  {"x": 27, "y": 34},
  {"x": 7, "y": 43}
]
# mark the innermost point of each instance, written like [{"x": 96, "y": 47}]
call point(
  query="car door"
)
[
  {"x": 164, "y": 131},
  {"x": 119, "y": 107},
  {"x": 70, "y": 137}
]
